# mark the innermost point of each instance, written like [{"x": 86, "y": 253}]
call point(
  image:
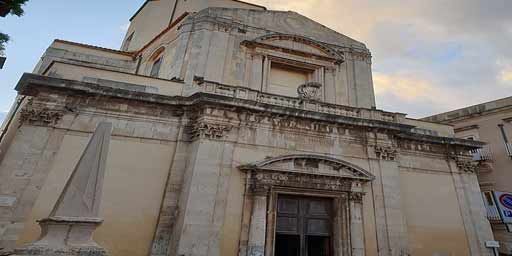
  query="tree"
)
[{"x": 13, "y": 7}]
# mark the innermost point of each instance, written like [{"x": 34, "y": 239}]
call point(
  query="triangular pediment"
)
[
  {"x": 311, "y": 164},
  {"x": 285, "y": 22}
]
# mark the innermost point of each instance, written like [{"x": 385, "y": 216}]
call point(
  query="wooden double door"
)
[{"x": 303, "y": 226}]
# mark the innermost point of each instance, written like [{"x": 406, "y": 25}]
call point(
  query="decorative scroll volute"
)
[{"x": 309, "y": 91}]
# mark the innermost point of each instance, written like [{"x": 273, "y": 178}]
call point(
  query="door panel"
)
[{"x": 303, "y": 226}]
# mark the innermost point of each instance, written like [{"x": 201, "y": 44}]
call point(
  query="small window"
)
[
  {"x": 127, "y": 42},
  {"x": 470, "y": 138},
  {"x": 155, "y": 69}
]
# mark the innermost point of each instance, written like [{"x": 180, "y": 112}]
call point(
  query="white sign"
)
[
  {"x": 7, "y": 201},
  {"x": 492, "y": 244},
  {"x": 504, "y": 203}
]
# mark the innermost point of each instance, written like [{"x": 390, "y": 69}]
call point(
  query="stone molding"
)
[
  {"x": 260, "y": 180},
  {"x": 310, "y": 164},
  {"x": 264, "y": 175},
  {"x": 289, "y": 111},
  {"x": 388, "y": 153},
  {"x": 261, "y": 42},
  {"x": 204, "y": 130},
  {"x": 295, "y": 102}
]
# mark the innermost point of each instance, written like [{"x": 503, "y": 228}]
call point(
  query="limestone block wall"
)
[
  {"x": 415, "y": 203},
  {"x": 173, "y": 184},
  {"x": 148, "y": 22},
  {"x": 76, "y": 53},
  {"x": 43, "y": 153},
  {"x": 210, "y": 45}
]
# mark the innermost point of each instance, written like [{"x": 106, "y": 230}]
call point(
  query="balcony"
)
[{"x": 481, "y": 154}]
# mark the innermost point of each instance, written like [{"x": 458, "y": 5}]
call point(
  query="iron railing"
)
[
  {"x": 493, "y": 213},
  {"x": 482, "y": 154}
]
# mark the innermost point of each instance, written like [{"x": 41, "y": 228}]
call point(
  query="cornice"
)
[
  {"x": 440, "y": 140},
  {"x": 31, "y": 85}
]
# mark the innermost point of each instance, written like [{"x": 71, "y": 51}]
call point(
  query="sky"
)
[{"x": 428, "y": 56}]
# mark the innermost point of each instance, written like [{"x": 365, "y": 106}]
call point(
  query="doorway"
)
[{"x": 303, "y": 226}]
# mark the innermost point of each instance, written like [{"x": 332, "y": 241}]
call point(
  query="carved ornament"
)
[
  {"x": 40, "y": 116},
  {"x": 201, "y": 129},
  {"x": 386, "y": 152},
  {"x": 309, "y": 91},
  {"x": 267, "y": 178},
  {"x": 466, "y": 165},
  {"x": 356, "y": 197},
  {"x": 311, "y": 164}
]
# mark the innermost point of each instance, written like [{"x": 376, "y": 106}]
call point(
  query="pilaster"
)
[
  {"x": 257, "y": 230},
  {"x": 256, "y": 81},
  {"x": 356, "y": 224},
  {"x": 472, "y": 209},
  {"x": 388, "y": 208},
  {"x": 204, "y": 193}
]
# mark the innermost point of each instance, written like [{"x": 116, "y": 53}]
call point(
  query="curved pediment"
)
[
  {"x": 297, "y": 44},
  {"x": 311, "y": 164}
]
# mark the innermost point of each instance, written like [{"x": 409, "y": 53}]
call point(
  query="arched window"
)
[{"x": 156, "y": 62}]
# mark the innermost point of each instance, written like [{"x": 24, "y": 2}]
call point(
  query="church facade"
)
[{"x": 237, "y": 131}]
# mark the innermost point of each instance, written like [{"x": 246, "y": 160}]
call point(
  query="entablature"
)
[{"x": 243, "y": 100}]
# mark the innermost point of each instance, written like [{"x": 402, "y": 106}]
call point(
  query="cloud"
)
[
  {"x": 405, "y": 88},
  {"x": 428, "y": 56},
  {"x": 506, "y": 75}
]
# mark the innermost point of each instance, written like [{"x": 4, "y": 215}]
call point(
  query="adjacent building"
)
[
  {"x": 237, "y": 130},
  {"x": 489, "y": 122}
]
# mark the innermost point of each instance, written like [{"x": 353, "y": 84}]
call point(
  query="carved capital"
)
[
  {"x": 202, "y": 129},
  {"x": 356, "y": 197},
  {"x": 466, "y": 165},
  {"x": 386, "y": 152},
  {"x": 32, "y": 115},
  {"x": 362, "y": 56},
  {"x": 257, "y": 189}
]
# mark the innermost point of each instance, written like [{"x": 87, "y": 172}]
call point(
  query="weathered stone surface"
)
[
  {"x": 202, "y": 152},
  {"x": 82, "y": 194},
  {"x": 69, "y": 229}
]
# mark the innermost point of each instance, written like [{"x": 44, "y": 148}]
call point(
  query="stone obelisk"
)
[{"x": 69, "y": 228}]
